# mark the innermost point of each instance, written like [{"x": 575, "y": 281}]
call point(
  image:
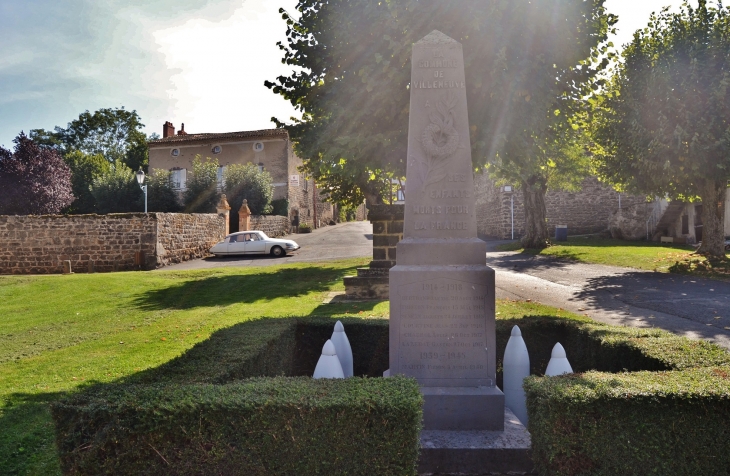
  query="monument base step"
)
[
  {"x": 463, "y": 408},
  {"x": 362, "y": 287},
  {"x": 477, "y": 452}
]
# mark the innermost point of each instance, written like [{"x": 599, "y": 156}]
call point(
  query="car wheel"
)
[{"x": 277, "y": 251}]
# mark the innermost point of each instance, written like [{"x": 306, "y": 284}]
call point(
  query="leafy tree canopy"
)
[
  {"x": 664, "y": 122},
  {"x": 117, "y": 190},
  {"x": 114, "y": 133},
  {"x": 249, "y": 183},
  {"x": 528, "y": 65},
  {"x": 84, "y": 169},
  {"x": 33, "y": 180},
  {"x": 201, "y": 194}
]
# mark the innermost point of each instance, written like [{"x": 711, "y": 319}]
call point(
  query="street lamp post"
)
[
  {"x": 508, "y": 189},
  {"x": 140, "y": 181}
]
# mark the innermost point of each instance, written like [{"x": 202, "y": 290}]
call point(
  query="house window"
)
[
  {"x": 216, "y": 150},
  {"x": 306, "y": 185},
  {"x": 175, "y": 152},
  {"x": 178, "y": 178},
  {"x": 258, "y": 146},
  {"x": 685, "y": 224},
  {"x": 220, "y": 177},
  {"x": 261, "y": 166}
]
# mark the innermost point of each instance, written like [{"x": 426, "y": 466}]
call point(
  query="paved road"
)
[
  {"x": 346, "y": 240},
  {"x": 694, "y": 307}
]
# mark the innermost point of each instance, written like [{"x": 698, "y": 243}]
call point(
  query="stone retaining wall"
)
[
  {"x": 273, "y": 225},
  {"x": 585, "y": 211},
  {"x": 102, "y": 243}
]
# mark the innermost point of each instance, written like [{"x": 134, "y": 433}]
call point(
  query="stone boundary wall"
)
[
  {"x": 103, "y": 243},
  {"x": 184, "y": 236},
  {"x": 585, "y": 211},
  {"x": 273, "y": 225}
]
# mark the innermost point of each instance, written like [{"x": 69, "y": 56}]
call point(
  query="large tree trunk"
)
[
  {"x": 536, "y": 232},
  {"x": 713, "y": 218}
]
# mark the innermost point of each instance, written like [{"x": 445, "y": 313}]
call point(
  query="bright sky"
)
[{"x": 201, "y": 62}]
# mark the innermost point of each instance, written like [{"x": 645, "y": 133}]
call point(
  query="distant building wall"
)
[
  {"x": 585, "y": 211},
  {"x": 102, "y": 243}
]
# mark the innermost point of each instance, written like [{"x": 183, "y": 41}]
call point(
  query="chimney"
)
[
  {"x": 168, "y": 130},
  {"x": 182, "y": 132}
]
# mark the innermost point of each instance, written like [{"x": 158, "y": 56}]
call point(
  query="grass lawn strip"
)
[{"x": 632, "y": 254}]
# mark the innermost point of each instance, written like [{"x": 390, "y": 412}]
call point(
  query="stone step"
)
[
  {"x": 477, "y": 452},
  {"x": 372, "y": 272},
  {"x": 373, "y": 288}
]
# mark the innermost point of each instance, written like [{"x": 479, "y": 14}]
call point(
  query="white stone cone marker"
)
[
  {"x": 342, "y": 346},
  {"x": 516, "y": 365},
  {"x": 328, "y": 365},
  {"x": 558, "y": 364}
]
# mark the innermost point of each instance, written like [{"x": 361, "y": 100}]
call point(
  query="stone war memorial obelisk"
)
[{"x": 442, "y": 329}]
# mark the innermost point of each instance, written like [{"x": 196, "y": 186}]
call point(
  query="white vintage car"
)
[{"x": 253, "y": 242}]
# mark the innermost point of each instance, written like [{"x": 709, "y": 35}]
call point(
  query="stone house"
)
[
  {"x": 584, "y": 212},
  {"x": 269, "y": 149},
  {"x": 683, "y": 220}
]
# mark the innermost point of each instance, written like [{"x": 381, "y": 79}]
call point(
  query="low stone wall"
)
[
  {"x": 102, "y": 243},
  {"x": 273, "y": 225},
  {"x": 585, "y": 211},
  {"x": 183, "y": 236}
]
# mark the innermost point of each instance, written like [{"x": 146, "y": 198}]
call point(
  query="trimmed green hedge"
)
[
  {"x": 203, "y": 413},
  {"x": 661, "y": 404}
]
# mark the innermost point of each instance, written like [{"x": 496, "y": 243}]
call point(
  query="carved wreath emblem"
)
[{"x": 440, "y": 139}]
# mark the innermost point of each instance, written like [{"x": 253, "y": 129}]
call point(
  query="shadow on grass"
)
[
  {"x": 27, "y": 442},
  {"x": 245, "y": 288}
]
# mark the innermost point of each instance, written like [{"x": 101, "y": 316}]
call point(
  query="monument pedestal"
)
[{"x": 463, "y": 408}]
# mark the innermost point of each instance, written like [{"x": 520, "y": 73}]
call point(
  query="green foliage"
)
[
  {"x": 181, "y": 422},
  {"x": 114, "y": 133},
  {"x": 657, "y": 404},
  {"x": 84, "y": 169},
  {"x": 117, "y": 190},
  {"x": 528, "y": 67},
  {"x": 305, "y": 228},
  {"x": 161, "y": 197},
  {"x": 662, "y": 123},
  {"x": 280, "y": 207},
  {"x": 201, "y": 194},
  {"x": 247, "y": 182}
]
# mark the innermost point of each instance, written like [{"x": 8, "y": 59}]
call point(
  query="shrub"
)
[
  {"x": 659, "y": 405},
  {"x": 249, "y": 183},
  {"x": 280, "y": 207},
  {"x": 201, "y": 414},
  {"x": 33, "y": 180},
  {"x": 305, "y": 228},
  {"x": 117, "y": 190},
  {"x": 201, "y": 193},
  {"x": 84, "y": 169},
  {"x": 161, "y": 197}
]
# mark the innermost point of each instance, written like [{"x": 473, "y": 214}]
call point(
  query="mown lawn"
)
[
  {"x": 60, "y": 333},
  {"x": 632, "y": 254}
]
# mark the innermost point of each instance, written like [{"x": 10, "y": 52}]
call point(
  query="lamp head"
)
[{"x": 140, "y": 176}]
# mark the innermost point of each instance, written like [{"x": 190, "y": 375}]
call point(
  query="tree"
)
[
  {"x": 33, "y": 180},
  {"x": 117, "y": 190},
  {"x": 161, "y": 197},
  {"x": 84, "y": 169},
  {"x": 529, "y": 64},
  {"x": 663, "y": 126},
  {"x": 249, "y": 183},
  {"x": 201, "y": 195},
  {"x": 115, "y": 134}
]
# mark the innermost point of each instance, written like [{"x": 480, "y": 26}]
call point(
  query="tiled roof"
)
[{"x": 187, "y": 138}]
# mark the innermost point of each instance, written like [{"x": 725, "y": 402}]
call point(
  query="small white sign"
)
[{"x": 294, "y": 180}]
